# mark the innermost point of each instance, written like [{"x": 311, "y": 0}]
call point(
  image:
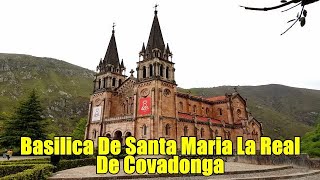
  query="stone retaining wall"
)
[{"x": 301, "y": 160}]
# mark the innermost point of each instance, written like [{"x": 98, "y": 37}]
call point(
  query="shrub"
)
[
  {"x": 67, "y": 164},
  {"x": 6, "y": 170},
  {"x": 41, "y": 171},
  {"x": 26, "y": 161}
]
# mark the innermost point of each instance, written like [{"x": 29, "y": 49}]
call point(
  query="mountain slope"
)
[{"x": 63, "y": 88}]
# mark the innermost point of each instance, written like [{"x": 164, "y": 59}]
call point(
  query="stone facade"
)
[{"x": 149, "y": 106}]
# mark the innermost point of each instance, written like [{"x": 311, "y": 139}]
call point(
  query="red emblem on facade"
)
[{"x": 145, "y": 106}]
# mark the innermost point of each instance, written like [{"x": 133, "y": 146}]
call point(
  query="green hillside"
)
[
  {"x": 64, "y": 91},
  {"x": 63, "y": 88}
]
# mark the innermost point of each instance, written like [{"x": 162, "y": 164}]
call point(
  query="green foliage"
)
[
  {"x": 37, "y": 168},
  {"x": 79, "y": 131},
  {"x": 41, "y": 171},
  {"x": 67, "y": 164},
  {"x": 27, "y": 121},
  {"x": 6, "y": 170},
  {"x": 310, "y": 143}
]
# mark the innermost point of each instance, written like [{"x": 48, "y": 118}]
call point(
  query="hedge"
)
[
  {"x": 26, "y": 161},
  {"x": 41, "y": 171},
  {"x": 67, "y": 164},
  {"x": 6, "y": 170},
  {"x": 38, "y": 169}
]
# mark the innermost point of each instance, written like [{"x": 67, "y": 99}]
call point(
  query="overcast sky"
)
[{"x": 214, "y": 43}]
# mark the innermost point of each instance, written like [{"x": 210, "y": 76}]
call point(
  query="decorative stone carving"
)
[{"x": 145, "y": 92}]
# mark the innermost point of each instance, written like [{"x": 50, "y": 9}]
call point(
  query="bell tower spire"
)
[
  {"x": 110, "y": 73},
  {"x": 155, "y": 55}
]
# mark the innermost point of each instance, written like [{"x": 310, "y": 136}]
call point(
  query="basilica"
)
[{"x": 148, "y": 105}]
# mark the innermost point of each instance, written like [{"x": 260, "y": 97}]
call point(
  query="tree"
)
[
  {"x": 310, "y": 142},
  {"x": 27, "y": 121},
  {"x": 78, "y": 132},
  {"x": 301, "y": 17}
]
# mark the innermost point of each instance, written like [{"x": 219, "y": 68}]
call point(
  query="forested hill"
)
[{"x": 64, "y": 91}]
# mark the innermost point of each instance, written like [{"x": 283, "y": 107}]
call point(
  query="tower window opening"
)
[
  {"x": 167, "y": 72},
  {"x": 151, "y": 70},
  {"x": 113, "y": 81},
  {"x": 99, "y": 83},
  {"x": 161, "y": 70},
  {"x": 144, "y": 72},
  {"x": 120, "y": 82}
]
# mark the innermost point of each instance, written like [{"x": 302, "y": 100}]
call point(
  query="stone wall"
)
[{"x": 300, "y": 160}]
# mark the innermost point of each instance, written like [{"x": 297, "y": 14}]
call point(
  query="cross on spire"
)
[
  {"x": 113, "y": 25},
  {"x": 155, "y": 8}
]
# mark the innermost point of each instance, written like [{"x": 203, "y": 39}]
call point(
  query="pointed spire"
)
[
  {"x": 155, "y": 38},
  {"x": 121, "y": 65},
  {"x": 168, "y": 49},
  {"x": 111, "y": 56},
  {"x": 143, "y": 50}
]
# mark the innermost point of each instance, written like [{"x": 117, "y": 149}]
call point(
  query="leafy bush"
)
[
  {"x": 26, "y": 161},
  {"x": 67, "y": 164},
  {"x": 6, "y": 170},
  {"x": 41, "y": 171},
  {"x": 310, "y": 142}
]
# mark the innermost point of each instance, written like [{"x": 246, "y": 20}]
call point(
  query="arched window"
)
[
  {"x": 181, "y": 106},
  {"x": 120, "y": 81},
  {"x": 113, "y": 81},
  {"x": 167, "y": 129},
  {"x": 144, "y": 72},
  {"x": 207, "y": 111},
  {"x": 201, "y": 133},
  {"x": 151, "y": 70},
  {"x": 161, "y": 70},
  {"x": 99, "y": 83},
  {"x": 104, "y": 82},
  {"x": 108, "y": 135},
  {"x": 194, "y": 108},
  {"x": 144, "y": 130},
  {"x": 220, "y": 111},
  {"x": 127, "y": 104},
  {"x": 238, "y": 112},
  {"x": 131, "y": 108},
  {"x": 124, "y": 108},
  {"x": 185, "y": 131},
  {"x": 167, "y": 72}
]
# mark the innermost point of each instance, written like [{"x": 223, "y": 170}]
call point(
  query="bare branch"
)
[
  {"x": 291, "y": 7},
  {"x": 274, "y": 7}
]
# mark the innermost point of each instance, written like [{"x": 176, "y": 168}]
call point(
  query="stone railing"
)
[{"x": 118, "y": 118}]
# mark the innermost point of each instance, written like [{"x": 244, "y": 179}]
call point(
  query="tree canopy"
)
[{"x": 27, "y": 121}]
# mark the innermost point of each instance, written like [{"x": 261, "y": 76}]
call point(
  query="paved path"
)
[{"x": 230, "y": 167}]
